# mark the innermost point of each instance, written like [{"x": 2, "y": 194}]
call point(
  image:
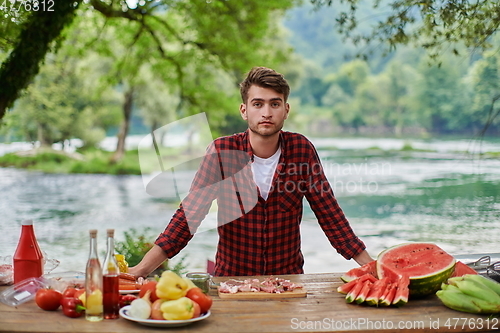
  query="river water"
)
[{"x": 436, "y": 193}]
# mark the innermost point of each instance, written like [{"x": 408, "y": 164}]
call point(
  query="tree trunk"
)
[
  {"x": 41, "y": 136},
  {"x": 122, "y": 135}
]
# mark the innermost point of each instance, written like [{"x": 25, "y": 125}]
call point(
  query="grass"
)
[{"x": 86, "y": 161}]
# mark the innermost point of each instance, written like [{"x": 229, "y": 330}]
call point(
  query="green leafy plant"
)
[{"x": 137, "y": 244}]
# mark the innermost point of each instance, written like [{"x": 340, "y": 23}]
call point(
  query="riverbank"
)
[
  {"x": 93, "y": 160},
  {"x": 97, "y": 160}
]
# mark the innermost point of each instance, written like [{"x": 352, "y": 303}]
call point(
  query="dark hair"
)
[{"x": 265, "y": 78}]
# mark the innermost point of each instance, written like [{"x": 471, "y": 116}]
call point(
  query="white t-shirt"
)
[{"x": 263, "y": 171}]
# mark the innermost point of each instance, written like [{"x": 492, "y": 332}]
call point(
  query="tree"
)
[
  {"x": 432, "y": 24},
  {"x": 36, "y": 37},
  {"x": 230, "y": 35},
  {"x": 65, "y": 101},
  {"x": 438, "y": 96},
  {"x": 191, "y": 45},
  {"x": 485, "y": 82}
]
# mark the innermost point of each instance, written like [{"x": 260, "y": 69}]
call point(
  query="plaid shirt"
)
[{"x": 257, "y": 236}]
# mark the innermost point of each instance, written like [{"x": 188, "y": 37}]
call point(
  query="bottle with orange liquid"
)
[
  {"x": 111, "y": 275},
  {"x": 28, "y": 258}
]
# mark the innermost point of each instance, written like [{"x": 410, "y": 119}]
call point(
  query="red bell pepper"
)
[
  {"x": 72, "y": 307},
  {"x": 126, "y": 299}
]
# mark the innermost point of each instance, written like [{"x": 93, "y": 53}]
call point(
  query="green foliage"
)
[
  {"x": 37, "y": 34},
  {"x": 48, "y": 159},
  {"x": 434, "y": 25},
  {"x": 136, "y": 245},
  {"x": 91, "y": 161}
]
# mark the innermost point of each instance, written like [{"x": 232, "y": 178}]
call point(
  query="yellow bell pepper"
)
[
  {"x": 122, "y": 263},
  {"x": 189, "y": 283},
  {"x": 178, "y": 309},
  {"x": 171, "y": 286}
]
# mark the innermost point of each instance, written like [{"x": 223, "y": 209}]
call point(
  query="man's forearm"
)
[
  {"x": 151, "y": 260},
  {"x": 363, "y": 258}
]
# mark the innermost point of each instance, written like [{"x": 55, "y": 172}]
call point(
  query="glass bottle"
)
[
  {"x": 111, "y": 275},
  {"x": 28, "y": 258},
  {"x": 93, "y": 282}
]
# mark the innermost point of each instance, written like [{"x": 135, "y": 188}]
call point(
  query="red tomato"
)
[
  {"x": 78, "y": 293},
  {"x": 151, "y": 285},
  {"x": 70, "y": 292},
  {"x": 48, "y": 299},
  {"x": 199, "y": 297}
]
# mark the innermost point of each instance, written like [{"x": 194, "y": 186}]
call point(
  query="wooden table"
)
[{"x": 323, "y": 310}]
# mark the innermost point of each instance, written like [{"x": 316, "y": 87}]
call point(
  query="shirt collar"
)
[{"x": 248, "y": 146}]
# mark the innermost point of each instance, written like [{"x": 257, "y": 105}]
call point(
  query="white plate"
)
[
  {"x": 124, "y": 313},
  {"x": 129, "y": 291}
]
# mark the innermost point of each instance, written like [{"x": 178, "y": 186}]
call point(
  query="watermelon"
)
[
  {"x": 370, "y": 268},
  {"x": 360, "y": 298},
  {"x": 354, "y": 292},
  {"x": 402, "y": 292},
  {"x": 346, "y": 288},
  {"x": 377, "y": 290},
  {"x": 461, "y": 269},
  {"x": 388, "y": 295},
  {"x": 425, "y": 264}
]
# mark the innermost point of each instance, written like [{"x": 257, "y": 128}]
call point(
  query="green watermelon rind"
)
[{"x": 424, "y": 285}]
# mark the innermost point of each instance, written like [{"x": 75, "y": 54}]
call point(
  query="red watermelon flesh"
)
[
  {"x": 402, "y": 292},
  {"x": 346, "y": 288},
  {"x": 370, "y": 268},
  {"x": 364, "y": 292},
  {"x": 461, "y": 269},
  {"x": 425, "y": 264},
  {"x": 377, "y": 290}
]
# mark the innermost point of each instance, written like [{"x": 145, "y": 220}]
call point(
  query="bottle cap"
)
[
  {"x": 27, "y": 222},
  {"x": 93, "y": 233},
  {"x": 111, "y": 232}
]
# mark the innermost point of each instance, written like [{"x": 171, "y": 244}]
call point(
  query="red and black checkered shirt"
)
[{"x": 257, "y": 236}]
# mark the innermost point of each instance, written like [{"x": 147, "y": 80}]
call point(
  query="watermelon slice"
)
[
  {"x": 425, "y": 264},
  {"x": 388, "y": 295},
  {"x": 402, "y": 292},
  {"x": 461, "y": 269},
  {"x": 376, "y": 291},
  {"x": 360, "y": 298},
  {"x": 346, "y": 288},
  {"x": 351, "y": 295},
  {"x": 370, "y": 268}
]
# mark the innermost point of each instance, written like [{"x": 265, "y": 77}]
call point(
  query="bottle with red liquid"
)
[
  {"x": 28, "y": 258},
  {"x": 111, "y": 275}
]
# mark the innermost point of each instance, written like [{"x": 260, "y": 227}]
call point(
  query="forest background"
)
[{"x": 126, "y": 67}]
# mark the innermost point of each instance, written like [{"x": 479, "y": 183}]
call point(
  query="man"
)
[{"x": 259, "y": 178}]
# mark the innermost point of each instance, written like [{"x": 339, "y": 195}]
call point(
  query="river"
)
[{"x": 435, "y": 193}]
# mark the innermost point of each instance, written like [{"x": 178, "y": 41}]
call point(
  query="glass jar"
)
[{"x": 201, "y": 280}]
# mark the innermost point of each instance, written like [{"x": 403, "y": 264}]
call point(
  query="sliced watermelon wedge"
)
[
  {"x": 360, "y": 298},
  {"x": 402, "y": 292},
  {"x": 370, "y": 268},
  {"x": 354, "y": 292},
  {"x": 388, "y": 296},
  {"x": 376, "y": 291},
  {"x": 346, "y": 288},
  {"x": 461, "y": 269}
]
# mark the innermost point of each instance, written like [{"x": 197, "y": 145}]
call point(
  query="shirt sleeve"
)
[
  {"x": 194, "y": 207},
  {"x": 330, "y": 216}
]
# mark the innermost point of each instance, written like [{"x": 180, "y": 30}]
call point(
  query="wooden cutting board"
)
[{"x": 253, "y": 295}]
